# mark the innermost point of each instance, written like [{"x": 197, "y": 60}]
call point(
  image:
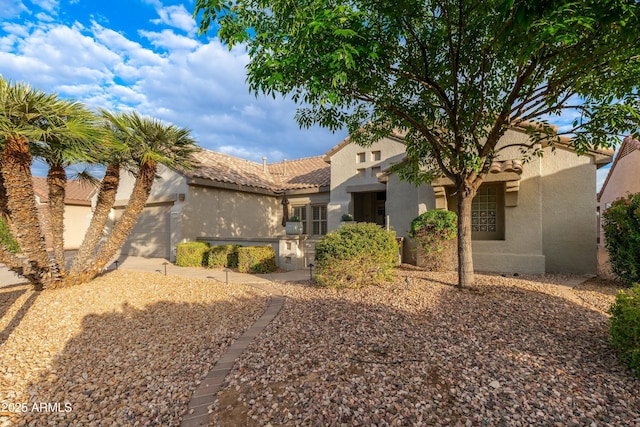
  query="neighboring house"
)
[
  {"x": 77, "y": 212},
  {"x": 623, "y": 179},
  {"x": 529, "y": 218}
]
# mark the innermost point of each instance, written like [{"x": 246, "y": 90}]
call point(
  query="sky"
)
[{"x": 147, "y": 55}]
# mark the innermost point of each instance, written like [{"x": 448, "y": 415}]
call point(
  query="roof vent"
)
[{"x": 264, "y": 164}]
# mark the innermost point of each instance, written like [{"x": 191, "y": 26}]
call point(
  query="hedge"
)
[
  {"x": 625, "y": 326},
  {"x": 222, "y": 256},
  {"x": 356, "y": 255},
  {"x": 192, "y": 254},
  {"x": 256, "y": 259},
  {"x": 621, "y": 225}
]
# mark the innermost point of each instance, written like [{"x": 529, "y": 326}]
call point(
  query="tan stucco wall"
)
[
  {"x": 624, "y": 179},
  {"x": 344, "y": 166},
  {"x": 569, "y": 214},
  {"x": 167, "y": 183},
  {"x": 76, "y": 223},
  {"x": 214, "y": 212}
]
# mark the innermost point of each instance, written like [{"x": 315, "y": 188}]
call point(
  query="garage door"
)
[{"x": 151, "y": 236}]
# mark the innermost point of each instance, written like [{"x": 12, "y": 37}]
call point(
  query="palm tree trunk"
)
[
  {"x": 465, "y": 257},
  {"x": 57, "y": 180},
  {"x": 15, "y": 167},
  {"x": 123, "y": 227},
  {"x": 106, "y": 199}
]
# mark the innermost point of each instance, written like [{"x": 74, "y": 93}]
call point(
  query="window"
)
[
  {"x": 301, "y": 212},
  {"x": 487, "y": 214},
  {"x": 319, "y": 219},
  {"x": 375, "y": 171},
  {"x": 375, "y": 156},
  {"x": 361, "y": 158},
  {"x": 361, "y": 173}
]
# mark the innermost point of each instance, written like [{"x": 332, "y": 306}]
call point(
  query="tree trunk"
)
[
  {"x": 57, "y": 180},
  {"x": 15, "y": 166},
  {"x": 465, "y": 257},
  {"x": 124, "y": 225},
  {"x": 106, "y": 199}
]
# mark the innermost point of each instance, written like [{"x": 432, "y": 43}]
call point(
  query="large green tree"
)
[{"x": 453, "y": 74}]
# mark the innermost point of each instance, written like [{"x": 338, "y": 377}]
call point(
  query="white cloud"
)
[
  {"x": 11, "y": 8},
  {"x": 177, "y": 17},
  {"x": 200, "y": 86},
  {"x": 169, "y": 40},
  {"x": 48, "y": 5}
]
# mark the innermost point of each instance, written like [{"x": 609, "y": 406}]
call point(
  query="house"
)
[
  {"x": 77, "y": 210},
  {"x": 530, "y": 218},
  {"x": 623, "y": 179}
]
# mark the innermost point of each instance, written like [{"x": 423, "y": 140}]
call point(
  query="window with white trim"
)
[{"x": 319, "y": 219}]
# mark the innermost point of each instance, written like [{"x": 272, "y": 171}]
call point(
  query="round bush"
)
[
  {"x": 625, "y": 326},
  {"x": 356, "y": 255},
  {"x": 192, "y": 254},
  {"x": 621, "y": 224}
]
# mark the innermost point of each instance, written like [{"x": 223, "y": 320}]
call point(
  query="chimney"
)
[
  {"x": 284, "y": 167},
  {"x": 264, "y": 164}
]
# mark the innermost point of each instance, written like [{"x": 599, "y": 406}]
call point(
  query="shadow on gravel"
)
[
  {"x": 137, "y": 366},
  {"x": 431, "y": 355},
  {"x": 8, "y": 297}
]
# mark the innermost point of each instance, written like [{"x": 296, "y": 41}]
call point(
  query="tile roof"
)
[
  {"x": 77, "y": 192},
  {"x": 311, "y": 172}
]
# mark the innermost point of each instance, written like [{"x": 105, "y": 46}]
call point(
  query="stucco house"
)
[
  {"x": 77, "y": 210},
  {"x": 623, "y": 179},
  {"x": 528, "y": 218}
]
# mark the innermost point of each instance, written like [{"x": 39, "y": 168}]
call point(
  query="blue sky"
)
[{"x": 146, "y": 55}]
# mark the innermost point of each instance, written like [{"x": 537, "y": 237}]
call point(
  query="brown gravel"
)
[
  {"x": 513, "y": 351},
  {"x": 127, "y": 349}
]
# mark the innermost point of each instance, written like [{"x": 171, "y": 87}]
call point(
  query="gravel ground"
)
[
  {"x": 512, "y": 351},
  {"x": 127, "y": 349}
]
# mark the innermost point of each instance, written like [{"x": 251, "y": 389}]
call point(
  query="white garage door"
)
[{"x": 151, "y": 236}]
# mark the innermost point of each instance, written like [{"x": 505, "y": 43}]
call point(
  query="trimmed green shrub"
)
[
  {"x": 6, "y": 238},
  {"x": 625, "y": 326},
  {"x": 356, "y": 255},
  {"x": 256, "y": 259},
  {"x": 433, "y": 227},
  {"x": 192, "y": 254},
  {"x": 435, "y": 232},
  {"x": 222, "y": 256},
  {"x": 621, "y": 224}
]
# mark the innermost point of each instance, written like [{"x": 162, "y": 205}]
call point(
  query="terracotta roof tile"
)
[
  {"x": 301, "y": 173},
  {"x": 291, "y": 174},
  {"x": 77, "y": 192}
]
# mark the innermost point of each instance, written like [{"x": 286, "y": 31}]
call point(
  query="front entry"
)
[{"x": 370, "y": 207}]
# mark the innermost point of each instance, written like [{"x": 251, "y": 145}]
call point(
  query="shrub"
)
[
  {"x": 625, "y": 326},
  {"x": 433, "y": 227},
  {"x": 621, "y": 224},
  {"x": 223, "y": 256},
  {"x": 356, "y": 255},
  {"x": 6, "y": 238},
  {"x": 435, "y": 231},
  {"x": 192, "y": 254},
  {"x": 256, "y": 259}
]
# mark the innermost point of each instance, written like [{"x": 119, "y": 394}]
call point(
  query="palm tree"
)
[
  {"x": 115, "y": 160},
  {"x": 29, "y": 120},
  {"x": 76, "y": 138},
  {"x": 24, "y": 112},
  {"x": 150, "y": 143}
]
